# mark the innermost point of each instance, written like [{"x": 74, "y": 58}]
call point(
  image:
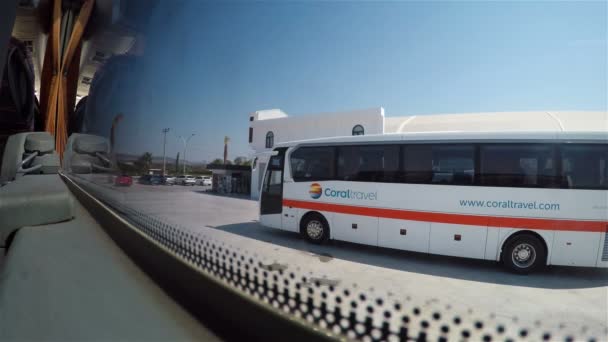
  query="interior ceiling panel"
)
[{"x": 114, "y": 29}]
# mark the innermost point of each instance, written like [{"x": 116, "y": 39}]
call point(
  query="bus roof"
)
[
  {"x": 526, "y": 126},
  {"x": 591, "y": 137}
]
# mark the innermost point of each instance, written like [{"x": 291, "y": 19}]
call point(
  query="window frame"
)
[
  {"x": 355, "y": 127},
  {"x": 269, "y": 142}
]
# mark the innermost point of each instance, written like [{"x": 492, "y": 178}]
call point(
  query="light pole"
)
[
  {"x": 226, "y": 141},
  {"x": 185, "y": 141},
  {"x": 165, "y": 130}
]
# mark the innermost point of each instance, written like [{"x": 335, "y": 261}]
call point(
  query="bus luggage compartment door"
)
[
  {"x": 404, "y": 234},
  {"x": 571, "y": 248},
  {"x": 289, "y": 220},
  {"x": 458, "y": 240},
  {"x": 355, "y": 228}
]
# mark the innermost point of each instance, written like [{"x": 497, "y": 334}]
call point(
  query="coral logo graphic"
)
[{"x": 315, "y": 190}]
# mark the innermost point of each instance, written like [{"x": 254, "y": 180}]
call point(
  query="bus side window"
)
[
  {"x": 368, "y": 163},
  {"x": 274, "y": 181},
  {"x": 439, "y": 164},
  {"x": 297, "y": 168},
  {"x": 418, "y": 164},
  {"x": 585, "y": 166},
  {"x": 518, "y": 165},
  {"x": 348, "y": 164},
  {"x": 312, "y": 164}
]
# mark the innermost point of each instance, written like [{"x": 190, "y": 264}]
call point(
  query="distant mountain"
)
[{"x": 126, "y": 157}]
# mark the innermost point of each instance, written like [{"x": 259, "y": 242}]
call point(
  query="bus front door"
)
[{"x": 271, "y": 199}]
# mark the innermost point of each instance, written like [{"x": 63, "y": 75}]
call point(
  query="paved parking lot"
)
[{"x": 573, "y": 297}]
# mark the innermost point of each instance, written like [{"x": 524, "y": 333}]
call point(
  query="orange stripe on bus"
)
[{"x": 475, "y": 220}]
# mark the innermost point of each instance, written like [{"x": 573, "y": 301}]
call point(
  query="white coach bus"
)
[{"x": 527, "y": 199}]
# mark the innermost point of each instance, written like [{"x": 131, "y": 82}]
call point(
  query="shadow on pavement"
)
[
  {"x": 553, "y": 277},
  {"x": 237, "y": 196}
]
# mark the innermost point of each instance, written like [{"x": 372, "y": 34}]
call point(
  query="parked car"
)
[
  {"x": 185, "y": 180},
  {"x": 169, "y": 180},
  {"x": 123, "y": 180},
  {"x": 203, "y": 180},
  {"x": 151, "y": 180}
]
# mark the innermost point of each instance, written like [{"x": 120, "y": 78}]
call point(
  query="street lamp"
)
[
  {"x": 165, "y": 130},
  {"x": 185, "y": 141}
]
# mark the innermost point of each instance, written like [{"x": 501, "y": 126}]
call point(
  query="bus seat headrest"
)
[
  {"x": 89, "y": 144},
  {"x": 42, "y": 142}
]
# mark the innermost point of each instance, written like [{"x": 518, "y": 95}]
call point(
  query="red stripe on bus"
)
[{"x": 474, "y": 220}]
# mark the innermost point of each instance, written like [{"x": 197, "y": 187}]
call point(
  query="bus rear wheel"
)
[
  {"x": 314, "y": 228},
  {"x": 524, "y": 254}
]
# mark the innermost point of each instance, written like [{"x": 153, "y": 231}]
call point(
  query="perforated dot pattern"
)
[{"x": 340, "y": 309}]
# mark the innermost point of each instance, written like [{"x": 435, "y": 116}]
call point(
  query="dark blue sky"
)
[{"x": 209, "y": 64}]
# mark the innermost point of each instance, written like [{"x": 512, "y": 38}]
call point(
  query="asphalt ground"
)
[{"x": 556, "y": 298}]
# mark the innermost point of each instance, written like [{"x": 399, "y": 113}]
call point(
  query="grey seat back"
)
[
  {"x": 29, "y": 153},
  {"x": 86, "y": 153}
]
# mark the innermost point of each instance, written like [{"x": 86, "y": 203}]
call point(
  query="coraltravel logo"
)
[{"x": 315, "y": 190}]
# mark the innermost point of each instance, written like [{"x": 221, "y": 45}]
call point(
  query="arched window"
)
[
  {"x": 357, "y": 130},
  {"x": 269, "y": 140}
]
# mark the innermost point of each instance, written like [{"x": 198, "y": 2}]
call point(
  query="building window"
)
[
  {"x": 269, "y": 140},
  {"x": 250, "y": 135},
  {"x": 358, "y": 130}
]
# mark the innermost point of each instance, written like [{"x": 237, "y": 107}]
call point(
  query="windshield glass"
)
[
  {"x": 415, "y": 60},
  {"x": 401, "y": 169}
]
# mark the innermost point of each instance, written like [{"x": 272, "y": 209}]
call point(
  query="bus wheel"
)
[
  {"x": 524, "y": 254},
  {"x": 315, "y": 229}
]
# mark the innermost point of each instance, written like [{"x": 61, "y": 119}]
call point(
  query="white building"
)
[{"x": 269, "y": 127}]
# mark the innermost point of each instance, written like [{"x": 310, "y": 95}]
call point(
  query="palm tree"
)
[
  {"x": 240, "y": 161},
  {"x": 144, "y": 162},
  {"x": 226, "y": 141}
]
